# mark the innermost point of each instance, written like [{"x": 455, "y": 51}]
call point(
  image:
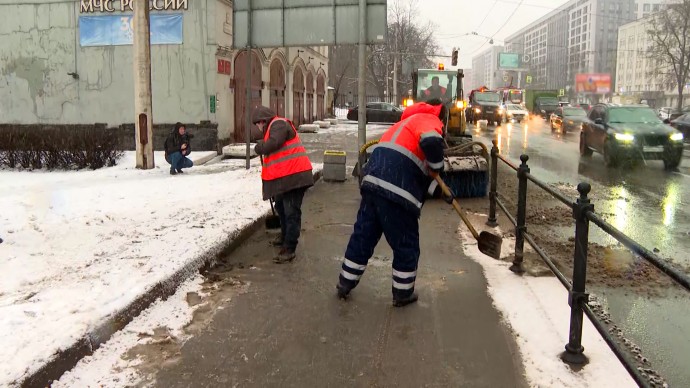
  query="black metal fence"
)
[{"x": 578, "y": 298}]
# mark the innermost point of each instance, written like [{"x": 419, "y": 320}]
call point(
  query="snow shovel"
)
[
  {"x": 489, "y": 243},
  {"x": 272, "y": 221}
]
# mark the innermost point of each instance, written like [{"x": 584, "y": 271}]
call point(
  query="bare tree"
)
[
  {"x": 342, "y": 60},
  {"x": 670, "y": 36},
  {"x": 409, "y": 45},
  {"x": 408, "y": 42}
]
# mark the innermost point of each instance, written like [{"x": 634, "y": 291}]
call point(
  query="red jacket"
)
[{"x": 398, "y": 167}]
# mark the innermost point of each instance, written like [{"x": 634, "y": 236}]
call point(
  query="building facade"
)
[
  {"x": 485, "y": 69},
  {"x": 578, "y": 37},
  {"x": 639, "y": 76},
  {"x": 58, "y": 70}
]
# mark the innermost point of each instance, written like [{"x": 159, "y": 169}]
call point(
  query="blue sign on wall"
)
[{"x": 117, "y": 30}]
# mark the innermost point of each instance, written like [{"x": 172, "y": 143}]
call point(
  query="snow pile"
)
[
  {"x": 80, "y": 246},
  {"x": 163, "y": 322},
  {"x": 536, "y": 308}
]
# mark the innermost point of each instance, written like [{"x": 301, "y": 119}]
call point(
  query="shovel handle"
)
[
  {"x": 457, "y": 207},
  {"x": 270, "y": 200}
]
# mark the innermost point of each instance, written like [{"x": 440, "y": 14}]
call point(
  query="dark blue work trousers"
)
[
  {"x": 289, "y": 209},
  {"x": 379, "y": 216}
]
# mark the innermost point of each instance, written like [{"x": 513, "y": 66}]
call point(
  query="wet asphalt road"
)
[{"x": 648, "y": 204}]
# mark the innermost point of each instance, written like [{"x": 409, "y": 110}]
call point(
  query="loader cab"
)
[{"x": 429, "y": 84}]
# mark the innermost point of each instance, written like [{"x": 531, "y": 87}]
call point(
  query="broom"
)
[{"x": 467, "y": 172}]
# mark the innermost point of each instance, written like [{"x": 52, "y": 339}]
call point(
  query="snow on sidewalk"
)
[
  {"x": 81, "y": 245},
  {"x": 537, "y": 311}
]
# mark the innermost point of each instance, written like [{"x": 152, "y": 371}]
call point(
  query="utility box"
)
[{"x": 334, "y": 166}]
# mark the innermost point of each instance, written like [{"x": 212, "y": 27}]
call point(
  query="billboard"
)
[
  {"x": 594, "y": 83},
  {"x": 118, "y": 30},
  {"x": 285, "y": 23},
  {"x": 508, "y": 61}
]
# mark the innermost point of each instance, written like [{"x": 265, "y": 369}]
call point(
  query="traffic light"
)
[{"x": 454, "y": 62}]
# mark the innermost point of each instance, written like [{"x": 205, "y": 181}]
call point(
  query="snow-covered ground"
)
[
  {"x": 537, "y": 311},
  {"x": 81, "y": 245},
  {"x": 109, "y": 366}
]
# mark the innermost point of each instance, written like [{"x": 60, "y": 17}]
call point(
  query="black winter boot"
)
[
  {"x": 405, "y": 301},
  {"x": 286, "y": 255}
]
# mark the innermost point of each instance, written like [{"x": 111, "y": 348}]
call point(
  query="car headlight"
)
[
  {"x": 677, "y": 137},
  {"x": 571, "y": 122},
  {"x": 478, "y": 110},
  {"x": 624, "y": 137}
]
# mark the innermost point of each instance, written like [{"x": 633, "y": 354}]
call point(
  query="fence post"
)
[
  {"x": 574, "y": 352},
  {"x": 492, "y": 221},
  {"x": 520, "y": 229}
]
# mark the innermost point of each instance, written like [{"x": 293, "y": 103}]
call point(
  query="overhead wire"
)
[{"x": 499, "y": 29}]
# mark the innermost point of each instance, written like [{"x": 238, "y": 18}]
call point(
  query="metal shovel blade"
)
[
  {"x": 490, "y": 244},
  {"x": 272, "y": 222}
]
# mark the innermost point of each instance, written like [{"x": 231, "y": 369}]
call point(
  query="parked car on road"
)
[
  {"x": 567, "y": 119},
  {"x": 377, "y": 112},
  {"x": 515, "y": 112},
  {"x": 630, "y": 132},
  {"x": 682, "y": 124},
  {"x": 668, "y": 113}
]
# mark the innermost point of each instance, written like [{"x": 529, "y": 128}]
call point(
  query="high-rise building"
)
[
  {"x": 648, "y": 7},
  {"x": 578, "y": 37},
  {"x": 485, "y": 69}
]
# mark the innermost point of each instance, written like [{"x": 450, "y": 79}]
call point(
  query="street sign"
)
[
  {"x": 213, "y": 104},
  {"x": 290, "y": 23},
  {"x": 528, "y": 79},
  {"x": 561, "y": 92}
]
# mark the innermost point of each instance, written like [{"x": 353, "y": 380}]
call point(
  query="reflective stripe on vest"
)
[
  {"x": 393, "y": 189},
  {"x": 290, "y": 159},
  {"x": 407, "y": 144}
]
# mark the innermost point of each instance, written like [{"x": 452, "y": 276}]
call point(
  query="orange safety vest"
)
[
  {"x": 405, "y": 138},
  {"x": 290, "y": 159}
]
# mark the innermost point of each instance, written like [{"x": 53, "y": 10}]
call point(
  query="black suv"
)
[{"x": 630, "y": 132}]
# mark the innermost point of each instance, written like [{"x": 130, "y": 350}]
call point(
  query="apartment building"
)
[
  {"x": 578, "y": 37},
  {"x": 638, "y": 75},
  {"x": 485, "y": 69}
]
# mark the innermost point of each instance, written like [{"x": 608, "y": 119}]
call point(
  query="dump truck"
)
[
  {"x": 485, "y": 104},
  {"x": 541, "y": 102}
]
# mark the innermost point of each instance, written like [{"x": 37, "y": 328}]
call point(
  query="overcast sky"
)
[{"x": 492, "y": 18}]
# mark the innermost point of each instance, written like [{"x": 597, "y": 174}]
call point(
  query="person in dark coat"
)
[
  {"x": 177, "y": 147},
  {"x": 286, "y": 174}
]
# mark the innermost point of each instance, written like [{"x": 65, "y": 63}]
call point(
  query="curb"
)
[
  {"x": 204, "y": 160},
  {"x": 67, "y": 358}
]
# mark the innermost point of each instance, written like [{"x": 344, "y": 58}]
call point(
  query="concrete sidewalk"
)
[{"x": 290, "y": 330}]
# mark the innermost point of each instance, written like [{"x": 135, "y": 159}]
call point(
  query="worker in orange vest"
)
[
  {"x": 397, "y": 176},
  {"x": 286, "y": 173}
]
